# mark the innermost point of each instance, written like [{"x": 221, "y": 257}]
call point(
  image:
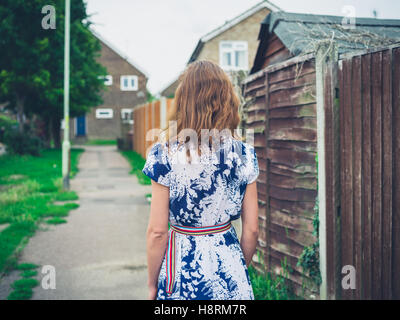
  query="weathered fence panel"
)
[
  {"x": 281, "y": 111},
  {"x": 396, "y": 175},
  {"x": 369, "y": 137}
]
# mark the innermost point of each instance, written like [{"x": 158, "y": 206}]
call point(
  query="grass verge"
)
[
  {"x": 137, "y": 163},
  {"x": 56, "y": 220},
  {"x": 100, "y": 142},
  {"x": 28, "y": 187},
  {"x": 66, "y": 196},
  {"x": 23, "y": 288}
]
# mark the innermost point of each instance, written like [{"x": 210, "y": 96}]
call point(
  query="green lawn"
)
[
  {"x": 28, "y": 187},
  {"x": 137, "y": 162}
]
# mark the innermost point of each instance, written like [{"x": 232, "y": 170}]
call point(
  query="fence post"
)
[{"x": 325, "y": 64}]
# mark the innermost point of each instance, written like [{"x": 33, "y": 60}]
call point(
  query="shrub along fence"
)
[{"x": 327, "y": 136}]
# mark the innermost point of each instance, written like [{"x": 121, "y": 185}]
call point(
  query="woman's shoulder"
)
[
  {"x": 161, "y": 146},
  {"x": 158, "y": 152},
  {"x": 167, "y": 148},
  {"x": 242, "y": 147},
  {"x": 248, "y": 161}
]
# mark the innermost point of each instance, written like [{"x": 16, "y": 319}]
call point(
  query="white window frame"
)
[
  {"x": 124, "y": 111},
  {"x": 109, "y": 113},
  {"x": 236, "y": 45},
  {"x": 129, "y": 87},
  {"x": 108, "y": 79}
]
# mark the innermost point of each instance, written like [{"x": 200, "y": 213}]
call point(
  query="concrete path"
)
[{"x": 100, "y": 253}]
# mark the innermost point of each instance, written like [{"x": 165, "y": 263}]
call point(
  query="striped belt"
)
[{"x": 191, "y": 231}]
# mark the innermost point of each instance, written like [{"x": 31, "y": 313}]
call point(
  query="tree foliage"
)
[{"x": 32, "y": 61}]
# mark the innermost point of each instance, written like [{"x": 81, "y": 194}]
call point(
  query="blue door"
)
[{"x": 81, "y": 126}]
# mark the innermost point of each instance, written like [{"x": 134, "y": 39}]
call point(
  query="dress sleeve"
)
[
  {"x": 157, "y": 166},
  {"x": 251, "y": 164}
]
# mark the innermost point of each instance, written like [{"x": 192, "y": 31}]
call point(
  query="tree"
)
[
  {"x": 23, "y": 51},
  {"x": 32, "y": 62}
]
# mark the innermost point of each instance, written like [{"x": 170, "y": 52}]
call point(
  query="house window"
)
[
  {"x": 108, "y": 80},
  {"x": 129, "y": 83},
  {"x": 126, "y": 115},
  {"x": 233, "y": 55},
  {"x": 103, "y": 113}
]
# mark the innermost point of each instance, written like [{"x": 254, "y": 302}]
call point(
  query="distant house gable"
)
[
  {"x": 242, "y": 30},
  {"x": 125, "y": 87},
  {"x": 169, "y": 91},
  {"x": 120, "y": 54},
  {"x": 229, "y": 24}
]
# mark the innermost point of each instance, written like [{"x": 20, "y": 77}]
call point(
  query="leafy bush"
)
[
  {"x": 22, "y": 143},
  {"x": 6, "y": 125},
  {"x": 309, "y": 261}
]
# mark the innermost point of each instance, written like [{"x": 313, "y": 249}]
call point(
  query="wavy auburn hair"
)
[{"x": 205, "y": 99}]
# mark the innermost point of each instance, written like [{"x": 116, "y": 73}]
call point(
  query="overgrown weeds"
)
[
  {"x": 23, "y": 288},
  {"x": 268, "y": 286}
]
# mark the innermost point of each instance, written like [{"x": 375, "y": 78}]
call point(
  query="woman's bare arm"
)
[
  {"x": 249, "y": 237},
  {"x": 157, "y": 234}
]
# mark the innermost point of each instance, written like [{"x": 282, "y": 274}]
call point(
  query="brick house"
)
[
  {"x": 233, "y": 45},
  {"x": 125, "y": 88}
]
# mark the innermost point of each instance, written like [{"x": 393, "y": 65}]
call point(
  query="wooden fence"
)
[
  {"x": 346, "y": 109},
  {"x": 152, "y": 115},
  {"x": 369, "y": 204},
  {"x": 282, "y": 112}
]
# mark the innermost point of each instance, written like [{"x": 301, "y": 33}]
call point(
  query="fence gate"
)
[
  {"x": 369, "y": 104},
  {"x": 360, "y": 135}
]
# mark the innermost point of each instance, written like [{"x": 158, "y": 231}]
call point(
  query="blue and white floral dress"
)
[{"x": 208, "y": 191}]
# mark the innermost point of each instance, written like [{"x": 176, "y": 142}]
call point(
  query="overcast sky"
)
[{"x": 160, "y": 35}]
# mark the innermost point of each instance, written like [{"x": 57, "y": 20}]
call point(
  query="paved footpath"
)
[{"x": 100, "y": 252}]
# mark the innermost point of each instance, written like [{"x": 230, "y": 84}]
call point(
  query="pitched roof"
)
[
  {"x": 170, "y": 89},
  {"x": 118, "y": 52},
  {"x": 229, "y": 24},
  {"x": 301, "y": 32}
]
